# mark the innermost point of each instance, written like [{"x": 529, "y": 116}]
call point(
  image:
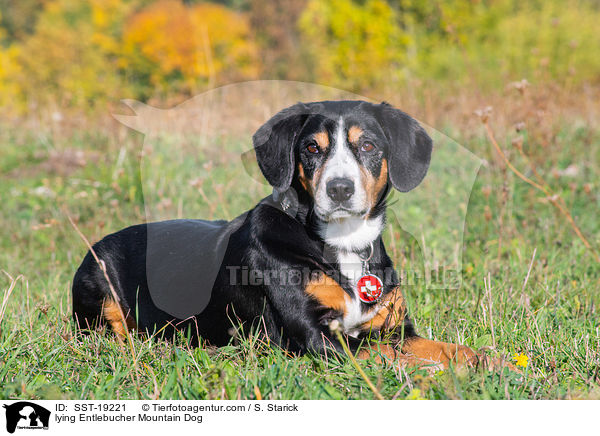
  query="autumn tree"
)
[
  {"x": 171, "y": 46},
  {"x": 72, "y": 57},
  {"x": 282, "y": 53},
  {"x": 354, "y": 45}
]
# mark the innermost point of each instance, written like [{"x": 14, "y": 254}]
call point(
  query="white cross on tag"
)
[{"x": 368, "y": 288}]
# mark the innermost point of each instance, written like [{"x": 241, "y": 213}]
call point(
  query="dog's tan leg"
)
[
  {"x": 380, "y": 351},
  {"x": 388, "y": 353},
  {"x": 441, "y": 352},
  {"x": 111, "y": 311},
  {"x": 389, "y": 315}
]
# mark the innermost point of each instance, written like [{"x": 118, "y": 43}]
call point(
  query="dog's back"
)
[{"x": 161, "y": 274}]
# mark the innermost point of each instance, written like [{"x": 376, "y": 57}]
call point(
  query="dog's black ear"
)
[
  {"x": 410, "y": 147},
  {"x": 274, "y": 145}
]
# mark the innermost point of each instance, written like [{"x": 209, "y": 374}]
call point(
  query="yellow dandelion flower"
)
[
  {"x": 520, "y": 359},
  {"x": 415, "y": 394}
]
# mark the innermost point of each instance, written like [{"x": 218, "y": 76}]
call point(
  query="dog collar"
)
[{"x": 285, "y": 200}]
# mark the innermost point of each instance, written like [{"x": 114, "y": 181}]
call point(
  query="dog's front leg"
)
[
  {"x": 391, "y": 322},
  {"x": 441, "y": 352}
]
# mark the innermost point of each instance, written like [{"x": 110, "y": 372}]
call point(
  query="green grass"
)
[{"x": 552, "y": 317}]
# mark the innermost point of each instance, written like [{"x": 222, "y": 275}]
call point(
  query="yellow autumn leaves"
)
[
  {"x": 85, "y": 54},
  {"x": 191, "y": 44}
]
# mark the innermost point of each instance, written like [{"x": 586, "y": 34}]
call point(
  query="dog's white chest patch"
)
[
  {"x": 350, "y": 265},
  {"x": 345, "y": 236},
  {"x": 351, "y": 233}
]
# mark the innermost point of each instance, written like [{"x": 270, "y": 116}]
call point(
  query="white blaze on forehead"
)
[{"x": 342, "y": 162}]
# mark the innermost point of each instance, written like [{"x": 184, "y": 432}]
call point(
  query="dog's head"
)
[{"x": 343, "y": 154}]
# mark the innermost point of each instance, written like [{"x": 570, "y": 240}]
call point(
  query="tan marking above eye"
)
[
  {"x": 322, "y": 139},
  {"x": 354, "y": 134}
]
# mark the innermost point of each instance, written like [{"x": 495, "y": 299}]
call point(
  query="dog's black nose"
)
[{"x": 340, "y": 189}]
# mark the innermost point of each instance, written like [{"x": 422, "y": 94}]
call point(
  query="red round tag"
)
[{"x": 369, "y": 288}]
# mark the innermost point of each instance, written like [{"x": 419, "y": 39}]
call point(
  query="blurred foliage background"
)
[{"x": 85, "y": 55}]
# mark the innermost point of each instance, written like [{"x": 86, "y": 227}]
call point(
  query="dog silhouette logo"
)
[{"x": 26, "y": 415}]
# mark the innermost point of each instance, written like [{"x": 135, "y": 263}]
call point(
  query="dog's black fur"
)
[{"x": 271, "y": 238}]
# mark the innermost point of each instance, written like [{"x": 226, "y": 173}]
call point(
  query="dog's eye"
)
[
  {"x": 312, "y": 148},
  {"x": 367, "y": 146}
]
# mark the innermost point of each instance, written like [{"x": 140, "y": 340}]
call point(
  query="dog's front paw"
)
[{"x": 464, "y": 356}]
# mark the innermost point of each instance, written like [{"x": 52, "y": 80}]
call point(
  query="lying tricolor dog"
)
[{"x": 331, "y": 165}]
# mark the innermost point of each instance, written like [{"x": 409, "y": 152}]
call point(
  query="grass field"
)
[{"x": 511, "y": 301}]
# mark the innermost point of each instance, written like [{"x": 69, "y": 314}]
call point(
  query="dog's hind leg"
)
[
  {"x": 93, "y": 304},
  {"x": 119, "y": 320},
  {"x": 87, "y": 305}
]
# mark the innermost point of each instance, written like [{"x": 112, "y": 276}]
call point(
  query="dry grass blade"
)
[
  {"x": 356, "y": 365},
  {"x": 7, "y": 292},
  {"x": 487, "y": 283},
  {"x": 552, "y": 197},
  {"x": 113, "y": 292}
]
